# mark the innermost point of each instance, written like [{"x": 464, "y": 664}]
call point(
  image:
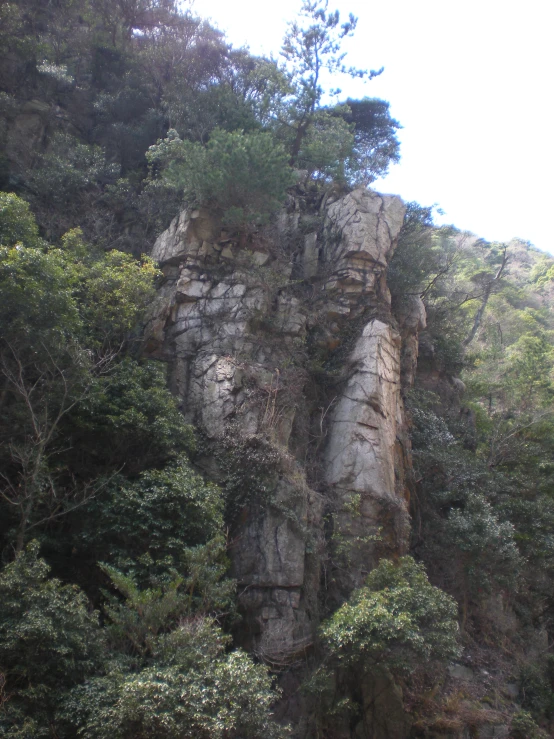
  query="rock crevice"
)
[{"x": 247, "y": 348}]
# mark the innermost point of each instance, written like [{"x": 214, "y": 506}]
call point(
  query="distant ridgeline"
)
[{"x": 290, "y": 474}]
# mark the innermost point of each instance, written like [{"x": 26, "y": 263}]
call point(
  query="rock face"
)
[
  {"x": 383, "y": 715},
  {"x": 228, "y": 331},
  {"x": 360, "y": 455},
  {"x": 283, "y": 352}
]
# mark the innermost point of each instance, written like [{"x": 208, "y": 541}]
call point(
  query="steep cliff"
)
[
  {"x": 285, "y": 355},
  {"x": 362, "y": 384}
]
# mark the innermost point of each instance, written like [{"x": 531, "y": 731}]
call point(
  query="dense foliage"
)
[
  {"x": 115, "y": 595},
  {"x": 95, "y": 473},
  {"x": 245, "y": 175},
  {"x": 397, "y": 619},
  {"x": 482, "y": 444},
  {"x": 49, "y": 640},
  {"x": 89, "y": 87}
]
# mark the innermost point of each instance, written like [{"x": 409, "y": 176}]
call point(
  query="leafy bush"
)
[
  {"x": 112, "y": 291},
  {"x": 249, "y": 465},
  {"x": 488, "y": 552},
  {"x": 66, "y": 316},
  {"x": 54, "y": 293},
  {"x": 536, "y": 693},
  {"x": 17, "y": 223},
  {"x": 194, "y": 689},
  {"x": 184, "y": 683},
  {"x": 243, "y": 175},
  {"x": 49, "y": 641},
  {"x": 429, "y": 429},
  {"x": 158, "y": 515},
  {"x": 129, "y": 419},
  {"x": 397, "y": 619},
  {"x": 466, "y": 532},
  {"x": 37, "y": 308},
  {"x": 167, "y": 673},
  {"x": 69, "y": 168},
  {"x": 523, "y": 726}
]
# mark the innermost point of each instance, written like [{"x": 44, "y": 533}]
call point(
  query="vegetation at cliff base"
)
[
  {"x": 95, "y": 475},
  {"x": 482, "y": 434}
]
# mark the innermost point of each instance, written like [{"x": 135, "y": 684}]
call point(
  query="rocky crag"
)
[{"x": 285, "y": 355}]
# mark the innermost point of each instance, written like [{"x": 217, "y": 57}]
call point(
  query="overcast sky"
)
[{"x": 471, "y": 83}]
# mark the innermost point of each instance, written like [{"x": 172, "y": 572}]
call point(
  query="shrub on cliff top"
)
[{"x": 244, "y": 175}]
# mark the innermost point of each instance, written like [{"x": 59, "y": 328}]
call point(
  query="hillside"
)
[{"x": 276, "y": 451}]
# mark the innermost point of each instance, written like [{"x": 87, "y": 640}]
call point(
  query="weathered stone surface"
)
[
  {"x": 270, "y": 550},
  {"x": 226, "y": 331},
  {"x": 493, "y": 731},
  {"x": 310, "y": 256},
  {"x": 190, "y": 289},
  {"x": 233, "y": 329},
  {"x": 278, "y": 627},
  {"x": 384, "y": 716},
  {"x": 361, "y": 232},
  {"x": 460, "y": 672},
  {"x": 412, "y": 319},
  {"x": 186, "y": 236},
  {"x": 359, "y": 462},
  {"x": 269, "y": 563},
  {"x": 369, "y": 224},
  {"x": 290, "y": 317}
]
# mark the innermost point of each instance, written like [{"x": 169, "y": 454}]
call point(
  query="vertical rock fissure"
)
[{"x": 238, "y": 335}]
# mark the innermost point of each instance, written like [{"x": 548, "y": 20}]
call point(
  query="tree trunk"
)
[{"x": 488, "y": 292}]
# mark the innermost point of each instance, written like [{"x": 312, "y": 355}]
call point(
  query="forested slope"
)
[
  {"x": 184, "y": 550},
  {"x": 482, "y": 434}
]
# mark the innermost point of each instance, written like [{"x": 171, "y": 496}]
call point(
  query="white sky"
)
[{"x": 471, "y": 83}]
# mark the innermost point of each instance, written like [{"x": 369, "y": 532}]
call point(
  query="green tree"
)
[
  {"x": 111, "y": 289},
  {"x": 244, "y": 176},
  {"x": 193, "y": 689},
  {"x": 327, "y": 146},
  {"x": 129, "y": 420},
  {"x": 56, "y": 347},
  {"x": 376, "y": 145},
  {"x": 17, "y": 224},
  {"x": 166, "y": 520},
  {"x": 466, "y": 539},
  {"x": 486, "y": 545},
  {"x": 178, "y": 680},
  {"x": 311, "y": 49},
  {"x": 44, "y": 372},
  {"x": 67, "y": 179},
  {"x": 396, "y": 620},
  {"x": 50, "y": 640}
]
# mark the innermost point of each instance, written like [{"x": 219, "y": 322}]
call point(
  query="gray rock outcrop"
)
[{"x": 284, "y": 345}]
